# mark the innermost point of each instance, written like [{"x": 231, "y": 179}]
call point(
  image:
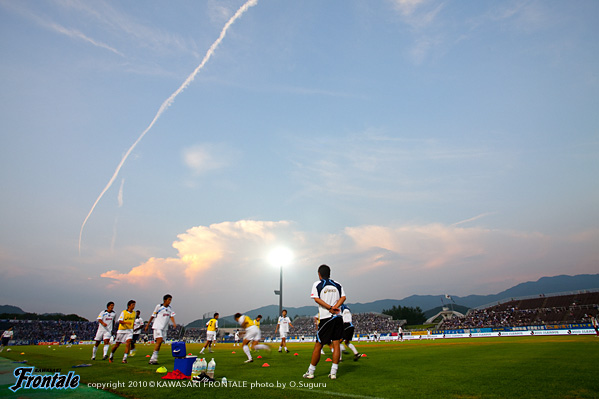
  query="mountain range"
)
[{"x": 545, "y": 285}]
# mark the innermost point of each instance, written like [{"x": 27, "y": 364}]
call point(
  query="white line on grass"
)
[{"x": 346, "y": 395}]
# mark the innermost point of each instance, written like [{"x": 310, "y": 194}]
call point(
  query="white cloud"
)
[
  {"x": 205, "y": 248},
  {"x": 207, "y": 157}
]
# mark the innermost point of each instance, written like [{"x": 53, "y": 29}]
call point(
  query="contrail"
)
[
  {"x": 167, "y": 104},
  {"x": 472, "y": 219}
]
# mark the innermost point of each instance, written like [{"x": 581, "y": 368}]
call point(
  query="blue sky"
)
[{"x": 415, "y": 146}]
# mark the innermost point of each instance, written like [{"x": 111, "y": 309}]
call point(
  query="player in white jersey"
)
[
  {"x": 348, "y": 331},
  {"x": 236, "y": 338},
  {"x": 7, "y": 335},
  {"x": 105, "y": 325},
  {"x": 283, "y": 326},
  {"x": 329, "y": 295},
  {"x": 161, "y": 316}
]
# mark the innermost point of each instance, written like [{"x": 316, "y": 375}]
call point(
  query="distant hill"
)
[
  {"x": 9, "y": 309},
  {"x": 545, "y": 285},
  {"x": 15, "y": 312}
]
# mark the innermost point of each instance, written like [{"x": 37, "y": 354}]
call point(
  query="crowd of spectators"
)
[
  {"x": 52, "y": 330},
  {"x": 541, "y": 310}
]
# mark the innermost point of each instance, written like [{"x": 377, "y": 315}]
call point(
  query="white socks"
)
[{"x": 246, "y": 350}]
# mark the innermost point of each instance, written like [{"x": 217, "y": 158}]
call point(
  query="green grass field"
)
[{"x": 510, "y": 367}]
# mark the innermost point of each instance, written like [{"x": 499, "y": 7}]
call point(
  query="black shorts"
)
[
  {"x": 329, "y": 330},
  {"x": 348, "y": 332},
  {"x": 135, "y": 338},
  {"x": 5, "y": 341}
]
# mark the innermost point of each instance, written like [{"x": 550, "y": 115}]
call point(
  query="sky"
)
[{"x": 414, "y": 146}]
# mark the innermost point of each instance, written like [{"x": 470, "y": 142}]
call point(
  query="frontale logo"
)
[{"x": 26, "y": 379}]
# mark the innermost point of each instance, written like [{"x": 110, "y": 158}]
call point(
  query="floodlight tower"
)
[{"x": 280, "y": 257}]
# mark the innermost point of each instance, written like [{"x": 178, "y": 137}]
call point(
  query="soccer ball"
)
[{"x": 8, "y": 350}]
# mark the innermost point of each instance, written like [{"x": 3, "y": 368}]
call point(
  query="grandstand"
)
[{"x": 559, "y": 308}]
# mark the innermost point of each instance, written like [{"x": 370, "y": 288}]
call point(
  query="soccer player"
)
[
  {"x": 236, "y": 338},
  {"x": 137, "y": 326},
  {"x": 72, "y": 339},
  {"x": 124, "y": 333},
  {"x": 252, "y": 335},
  {"x": 161, "y": 316},
  {"x": 284, "y": 323},
  {"x": 6, "y": 337},
  {"x": 105, "y": 325},
  {"x": 329, "y": 295},
  {"x": 400, "y": 333},
  {"x": 211, "y": 328},
  {"x": 348, "y": 331},
  {"x": 257, "y": 324}
]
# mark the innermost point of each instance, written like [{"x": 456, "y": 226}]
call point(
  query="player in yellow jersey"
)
[
  {"x": 124, "y": 334},
  {"x": 259, "y": 336},
  {"x": 211, "y": 330},
  {"x": 252, "y": 335}
]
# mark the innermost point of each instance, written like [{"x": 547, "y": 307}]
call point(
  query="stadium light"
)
[{"x": 280, "y": 257}]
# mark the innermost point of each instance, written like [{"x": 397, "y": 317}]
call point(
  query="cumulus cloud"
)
[{"x": 203, "y": 248}]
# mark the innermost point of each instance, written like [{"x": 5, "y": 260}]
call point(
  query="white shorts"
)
[
  {"x": 160, "y": 334},
  {"x": 123, "y": 337},
  {"x": 210, "y": 335},
  {"x": 102, "y": 335},
  {"x": 283, "y": 334},
  {"x": 252, "y": 333}
]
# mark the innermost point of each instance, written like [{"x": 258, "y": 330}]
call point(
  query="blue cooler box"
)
[
  {"x": 178, "y": 349},
  {"x": 185, "y": 364}
]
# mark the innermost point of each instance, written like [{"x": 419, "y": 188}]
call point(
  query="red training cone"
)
[{"x": 266, "y": 365}]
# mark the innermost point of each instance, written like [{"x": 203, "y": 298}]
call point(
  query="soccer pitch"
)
[{"x": 507, "y": 367}]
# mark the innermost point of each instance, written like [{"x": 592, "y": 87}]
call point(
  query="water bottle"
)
[
  {"x": 195, "y": 369},
  {"x": 210, "y": 369},
  {"x": 202, "y": 365}
]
